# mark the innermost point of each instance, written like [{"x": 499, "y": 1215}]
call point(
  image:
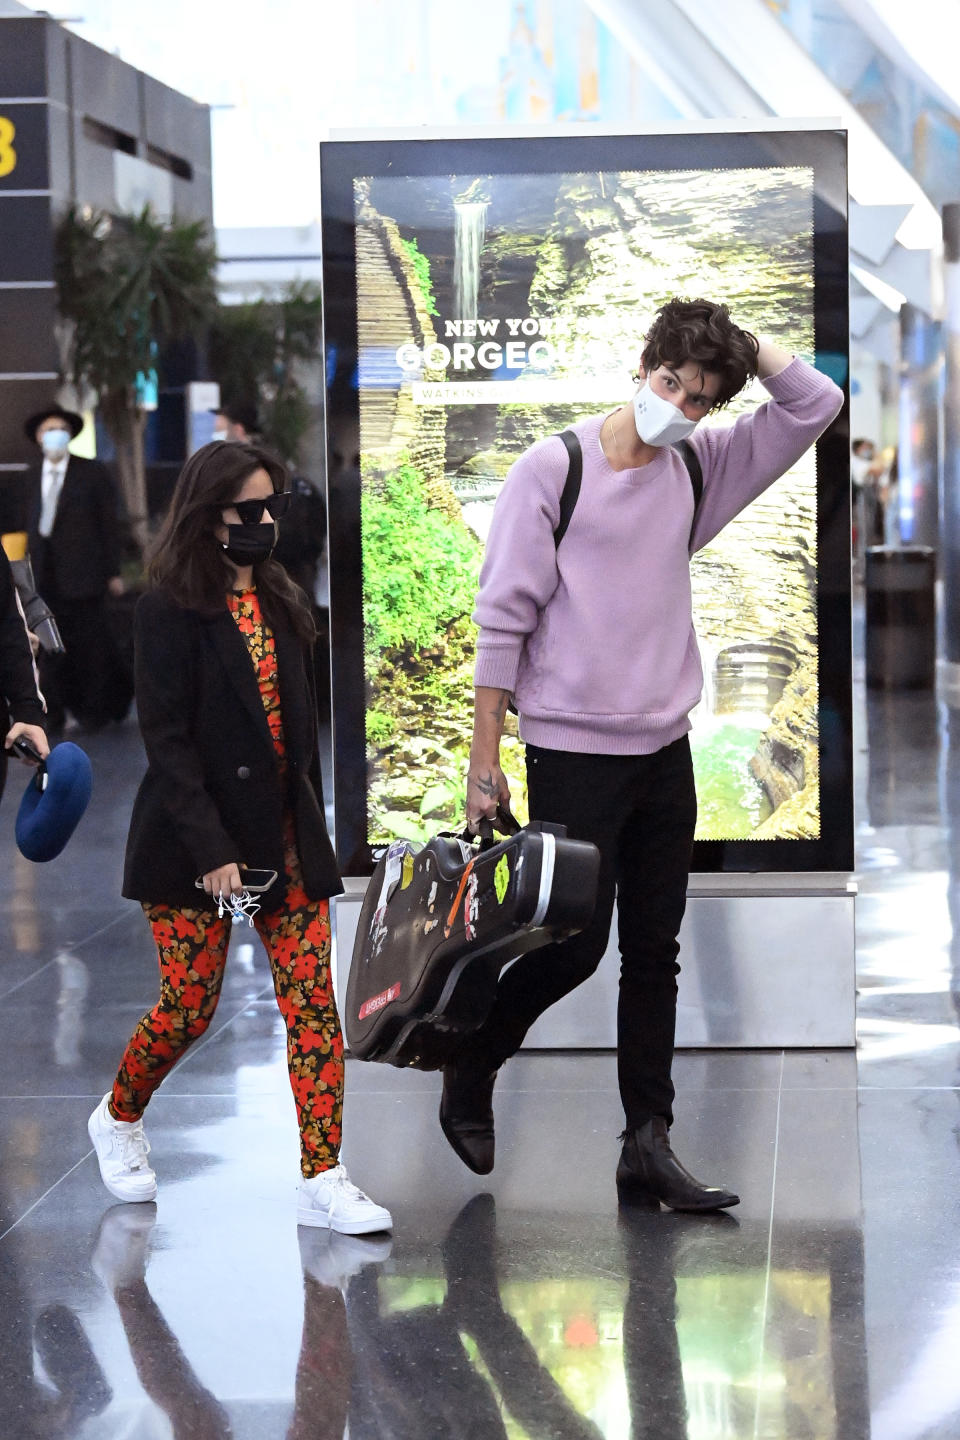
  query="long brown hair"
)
[{"x": 187, "y": 561}]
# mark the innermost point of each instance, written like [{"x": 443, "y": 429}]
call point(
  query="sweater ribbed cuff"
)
[
  {"x": 496, "y": 666},
  {"x": 796, "y": 381}
]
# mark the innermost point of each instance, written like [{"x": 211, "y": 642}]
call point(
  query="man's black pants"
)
[
  {"x": 640, "y": 811},
  {"x": 82, "y": 680}
]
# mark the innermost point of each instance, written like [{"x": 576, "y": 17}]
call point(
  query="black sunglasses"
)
[{"x": 251, "y": 511}]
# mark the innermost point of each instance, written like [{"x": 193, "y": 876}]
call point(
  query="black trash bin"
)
[{"x": 901, "y": 617}]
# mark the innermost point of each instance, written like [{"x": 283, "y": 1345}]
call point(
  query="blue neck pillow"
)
[{"x": 54, "y": 802}]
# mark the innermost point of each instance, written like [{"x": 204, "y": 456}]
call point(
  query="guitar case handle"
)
[{"x": 504, "y": 821}]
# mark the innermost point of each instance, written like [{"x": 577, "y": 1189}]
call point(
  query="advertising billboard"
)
[{"x": 482, "y": 294}]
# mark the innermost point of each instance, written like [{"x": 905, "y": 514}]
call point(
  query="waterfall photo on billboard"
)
[{"x": 494, "y": 310}]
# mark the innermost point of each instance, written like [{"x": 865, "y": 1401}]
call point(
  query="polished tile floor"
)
[{"x": 524, "y": 1305}]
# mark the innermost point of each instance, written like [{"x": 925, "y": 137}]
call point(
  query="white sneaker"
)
[
  {"x": 122, "y": 1151},
  {"x": 332, "y": 1200}
]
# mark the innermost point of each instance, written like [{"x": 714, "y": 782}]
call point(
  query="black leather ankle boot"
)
[
  {"x": 649, "y": 1170},
  {"x": 466, "y": 1112}
]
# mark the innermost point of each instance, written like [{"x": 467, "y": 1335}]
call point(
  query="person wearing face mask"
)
[
  {"x": 593, "y": 640},
  {"x": 236, "y": 421},
  {"x": 228, "y": 713},
  {"x": 70, "y": 513}
]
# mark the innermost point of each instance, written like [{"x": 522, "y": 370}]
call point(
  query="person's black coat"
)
[
  {"x": 302, "y": 535},
  {"x": 212, "y": 794},
  {"x": 20, "y": 698},
  {"x": 82, "y": 551}
]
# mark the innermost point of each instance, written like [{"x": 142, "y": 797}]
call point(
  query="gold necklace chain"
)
[{"x": 616, "y": 442}]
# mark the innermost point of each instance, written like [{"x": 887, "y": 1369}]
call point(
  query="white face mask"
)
[
  {"x": 657, "y": 421},
  {"x": 54, "y": 442},
  {"x": 220, "y": 435}
]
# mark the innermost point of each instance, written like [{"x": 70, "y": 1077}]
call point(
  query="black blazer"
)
[
  {"x": 82, "y": 551},
  {"x": 20, "y": 698},
  {"x": 212, "y": 793}
]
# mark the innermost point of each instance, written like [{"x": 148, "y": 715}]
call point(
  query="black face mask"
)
[{"x": 249, "y": 544}]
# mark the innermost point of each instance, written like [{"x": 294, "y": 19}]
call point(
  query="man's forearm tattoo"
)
[{"x": 500, "y": 709}]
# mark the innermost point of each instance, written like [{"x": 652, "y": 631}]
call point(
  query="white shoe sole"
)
[
  {"x": 308, "y": 1215},
  {"x": 143, "y": 1198}
]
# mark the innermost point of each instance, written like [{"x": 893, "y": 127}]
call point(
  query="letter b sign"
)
[{"x": 8, "y": 156}]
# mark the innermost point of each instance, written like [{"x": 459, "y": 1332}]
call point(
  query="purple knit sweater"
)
[{"x": 595, "y": 639}]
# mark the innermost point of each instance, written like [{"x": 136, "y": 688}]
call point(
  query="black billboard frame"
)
[{"x": 824, "y": 152}]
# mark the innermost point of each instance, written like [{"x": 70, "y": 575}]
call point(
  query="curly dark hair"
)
[
  {"x": 185, "y": 562},
  {"x": 702, "y": 331}
]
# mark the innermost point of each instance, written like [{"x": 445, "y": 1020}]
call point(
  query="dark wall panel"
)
[
  {"x": 27, "y": 249},
  {"x": 27, "y": 318},
  {"x": 23, "y": 69}
]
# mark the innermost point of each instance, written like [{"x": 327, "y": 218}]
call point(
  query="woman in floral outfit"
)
[{"x": 228, "y": 714}]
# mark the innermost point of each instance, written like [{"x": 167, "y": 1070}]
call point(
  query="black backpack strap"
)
[
  {"x": 568, "y": 498},
  {"x": 689, "y": 457},
  {"x": 571, "y": 487}
]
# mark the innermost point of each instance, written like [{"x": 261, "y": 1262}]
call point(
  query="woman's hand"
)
[
  {"x": 34, "y": 734},
  {"x": 225, "y": 881}
]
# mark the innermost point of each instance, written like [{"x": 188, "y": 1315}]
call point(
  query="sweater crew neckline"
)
[{"x": 634, "y": 474}]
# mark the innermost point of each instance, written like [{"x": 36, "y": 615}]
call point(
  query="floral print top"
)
[{"x": 245, "y": 608}]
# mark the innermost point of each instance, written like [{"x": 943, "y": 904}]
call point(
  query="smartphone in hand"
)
[
  {"x": 257, "y": 882},
  {"x": 25, "y": 750}
]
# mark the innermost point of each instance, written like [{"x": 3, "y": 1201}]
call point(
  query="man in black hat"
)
[{"x": 70, "y": 515}]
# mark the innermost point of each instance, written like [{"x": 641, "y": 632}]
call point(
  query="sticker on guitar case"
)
[
  {"x": 464, "y": 881},
  {"x": 370, "y": 1007},
  {"x": 392, "y": 872},
  {"x": 501, "y": 878},
  {"x": 471, "y": 908}
]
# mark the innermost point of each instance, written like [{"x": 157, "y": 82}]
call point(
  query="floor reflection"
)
[
  {"x": 534, "y": 1311},
  {"x": 655, "y": 1327},
  {"x": 670, "y": 1336}
]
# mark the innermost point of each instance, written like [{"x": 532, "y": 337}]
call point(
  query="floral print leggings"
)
[{"x": 192, "y": 949}]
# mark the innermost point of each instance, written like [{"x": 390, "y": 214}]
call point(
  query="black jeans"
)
[{"x": 640, "y": 811}]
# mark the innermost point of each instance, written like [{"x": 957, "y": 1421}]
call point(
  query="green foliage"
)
[
  {"x": 256, "y": 352},
  {"x": 381, "y": 728},
  {"x": 129, "y": 284},
  {"x": 421, "y": 268},
  {"x": 439, "y": 797},
  {"x": 401, "y": 825},
  {"x": 241, "y": 350},
  {"x": 420, "y": 569}
]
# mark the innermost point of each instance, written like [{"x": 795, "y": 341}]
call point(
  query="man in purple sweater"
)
[{"x": 593, "y": 638}]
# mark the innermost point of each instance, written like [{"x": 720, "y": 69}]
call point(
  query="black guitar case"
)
[{"x": 439, "y": 923}]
